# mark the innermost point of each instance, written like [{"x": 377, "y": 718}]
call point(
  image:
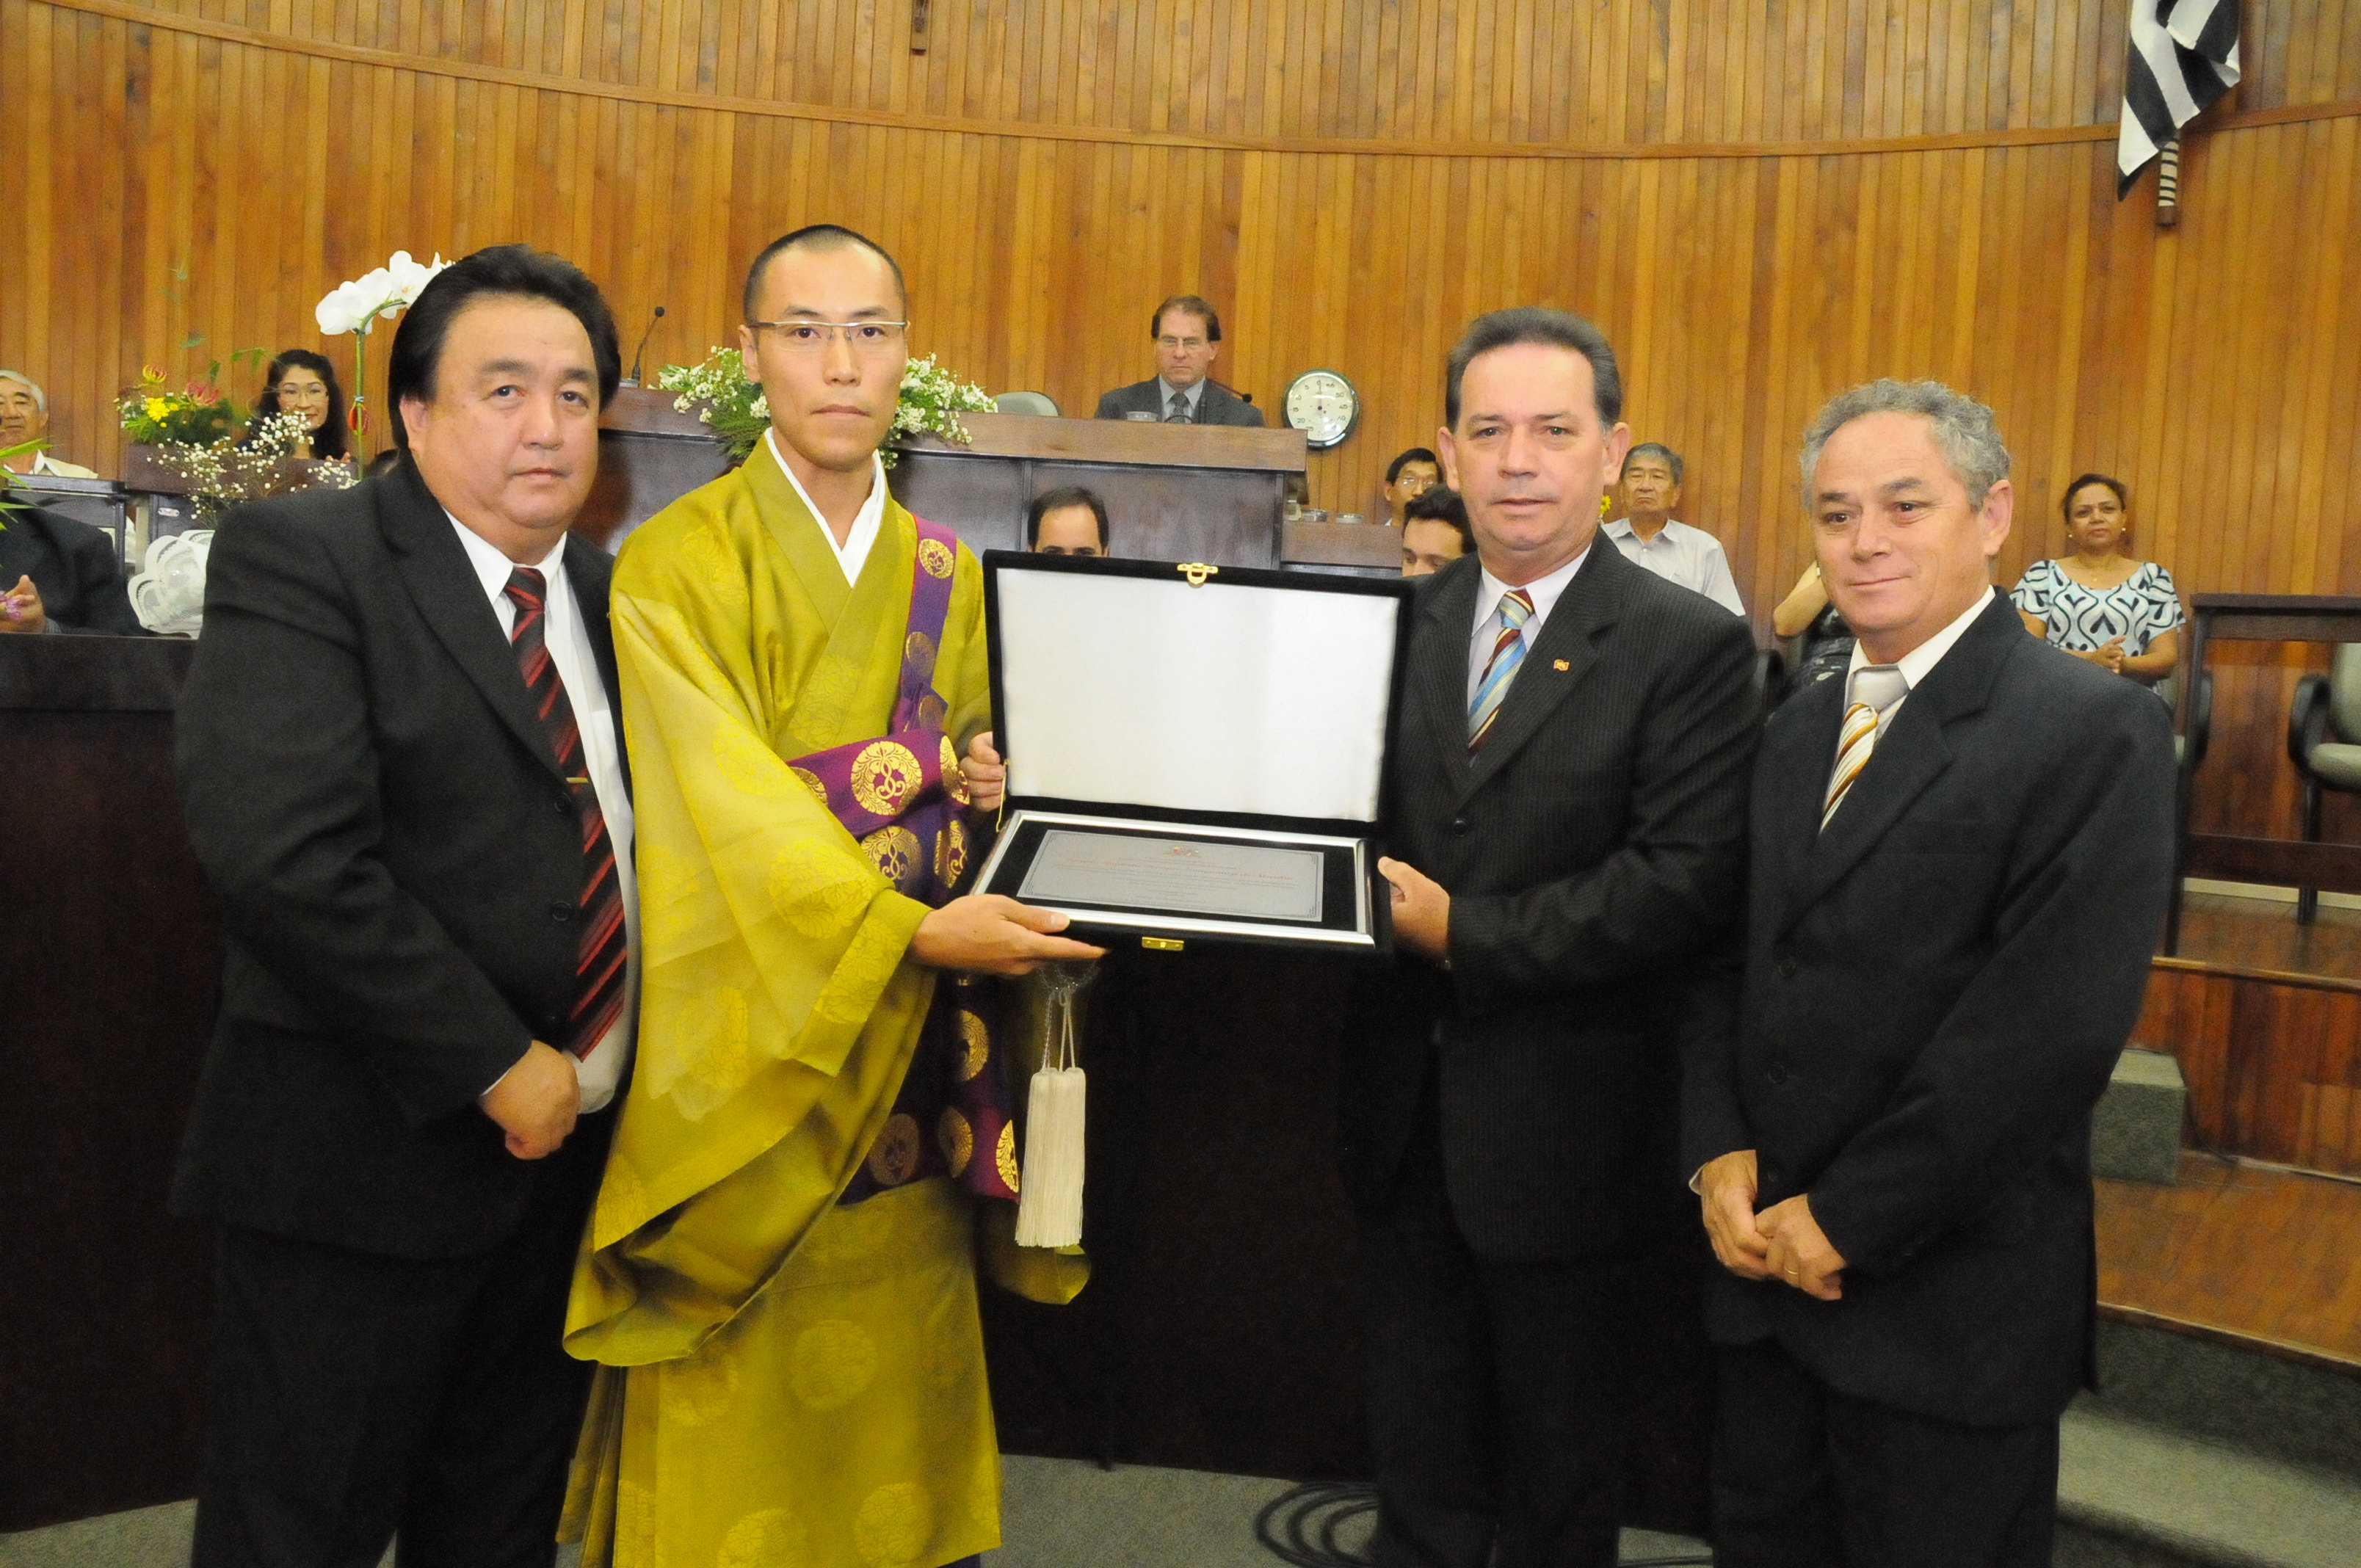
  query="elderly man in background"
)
[
  {"x": 1960, "y": 853},
  {"x": 1648, "y": 533},
  {"x": 25, "y": 417}
]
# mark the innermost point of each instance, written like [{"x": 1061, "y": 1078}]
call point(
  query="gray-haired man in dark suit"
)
[
  {"x": 1960, "y": 851},
  {"x": 1567, "y": 806}
]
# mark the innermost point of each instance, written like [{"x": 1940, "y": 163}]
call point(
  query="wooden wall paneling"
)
[{"x": 2220, "y": 382}]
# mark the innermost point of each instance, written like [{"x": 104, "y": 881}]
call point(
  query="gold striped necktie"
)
[{"x": 1875, "y": 688}]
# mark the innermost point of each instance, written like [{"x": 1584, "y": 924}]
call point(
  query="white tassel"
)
[{"x": 1049, "y": 1196}]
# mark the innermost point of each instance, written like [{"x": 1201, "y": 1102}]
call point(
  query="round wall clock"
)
[{"x": 1324, "y": 405}]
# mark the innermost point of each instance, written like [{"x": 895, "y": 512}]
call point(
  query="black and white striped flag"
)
[{"x": 2184, "y": 55}]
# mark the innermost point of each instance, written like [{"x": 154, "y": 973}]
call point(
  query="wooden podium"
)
[{"x": 1173, "y": 492}]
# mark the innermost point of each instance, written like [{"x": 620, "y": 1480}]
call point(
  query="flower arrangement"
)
[
  {"x": 224, "y": 473},
  {"x": 353, "y": 307},
  {"x": 932, "y": 399},
  {"x": 723, "y": 396},
  {"x": 198, "y": 414}
]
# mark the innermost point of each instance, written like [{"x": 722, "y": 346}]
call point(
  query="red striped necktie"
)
[{"x": 600, "y": 960}]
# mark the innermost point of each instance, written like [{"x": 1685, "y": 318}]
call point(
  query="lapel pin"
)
[{"x": 1560, "y": 665}]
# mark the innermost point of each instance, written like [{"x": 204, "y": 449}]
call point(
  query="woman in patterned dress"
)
[{"x": 2097, "y": 602}]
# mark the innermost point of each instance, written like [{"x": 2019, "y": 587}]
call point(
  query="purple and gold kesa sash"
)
[{"x": 903, "y": 796}]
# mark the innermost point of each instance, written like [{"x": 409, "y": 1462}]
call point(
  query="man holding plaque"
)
[
  {"x": 778, "y": 1281},
  {"x": 1568, "y": 798}
]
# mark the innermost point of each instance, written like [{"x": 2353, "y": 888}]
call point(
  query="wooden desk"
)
[
  {"x": 2253, "y": 618},
  {"x": 1173, "y": 492},
  {"x": 108, "y": 943}
]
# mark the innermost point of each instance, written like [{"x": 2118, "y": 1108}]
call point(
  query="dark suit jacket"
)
[
  {"x": 74, "y": 566},
  {"x": 1936, "y": 990},
  {"x": 1592, "y": 847},
  {"x": 1218, "y": 405},
  {"x": 397, "y": 861}
]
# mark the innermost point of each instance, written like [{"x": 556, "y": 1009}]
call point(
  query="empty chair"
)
[
  {"x": 1027, "y": 403},
  {"x": 2325, "y": 743}
]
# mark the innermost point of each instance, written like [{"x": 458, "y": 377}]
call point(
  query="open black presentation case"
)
[{"x": 1195, "y": 753}]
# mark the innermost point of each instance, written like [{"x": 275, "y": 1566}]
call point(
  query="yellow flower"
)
[{"x": 158, "y": 408}]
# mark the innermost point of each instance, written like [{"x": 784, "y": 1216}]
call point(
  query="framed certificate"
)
[{"x": 1194, "y": 753}]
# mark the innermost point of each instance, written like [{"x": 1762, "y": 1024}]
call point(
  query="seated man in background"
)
[
  {"x": 1647, "y": 534},
  {"x": 25, "y": 416},
  {"x": 1068, "y": 520},
  {"x": 62, "y": 575},
  {"x": 1410, "y": 476},
  {"x": 1435, "y": 532},
  {"x": 1188, "y": 334}
]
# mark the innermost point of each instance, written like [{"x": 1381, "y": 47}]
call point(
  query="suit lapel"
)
[
  {"x": 450, "y": 597},
  {"x": 1438, "y": 680},
  {"x": 1913, "y": 752},
  {"x": 1555, "y": 664},
  {"x": 1792, "y": 779}
]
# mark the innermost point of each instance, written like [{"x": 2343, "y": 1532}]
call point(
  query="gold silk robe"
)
[{"x": 782, "y": 1380}]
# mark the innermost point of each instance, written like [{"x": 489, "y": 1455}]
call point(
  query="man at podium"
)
[{"x": 1188, "y": 335}]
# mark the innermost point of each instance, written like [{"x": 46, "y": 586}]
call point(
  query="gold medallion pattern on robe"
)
[
  {"x": 918, "y": 649},
  {"x": 951, "y": 852},
  {"x": 894, "y": 1525},
  {"x": 895, "y": 1156},
  {"x": 814, "y": 890},
  {"x": 1005, "y": 1155},
  {"x": 885, "y": 777},
  {"x": 975, "y": 1041},
  {"x": 931, "y": 712},
  {"x": 893, "y": 850},
  {"x": 833, "y": 1363},
  {"x": 956, "y": 1139},
  {"x": 935, "y": 557},
  {"x": 764, "y": 1539},
  {"x": 811, "y": 782},
  {"x": 954, "y": 779}
]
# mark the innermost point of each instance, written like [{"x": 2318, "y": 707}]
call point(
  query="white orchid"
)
[
  {"x": 410, "y": 277},
  {"x": 381, "y": 291}
]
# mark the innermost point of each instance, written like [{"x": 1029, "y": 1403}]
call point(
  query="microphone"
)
[{"x": 633, "y": 378}]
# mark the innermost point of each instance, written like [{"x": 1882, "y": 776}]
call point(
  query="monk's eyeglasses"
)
[{"x": 810, "y": 337}]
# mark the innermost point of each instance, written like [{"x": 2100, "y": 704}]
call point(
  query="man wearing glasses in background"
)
[
  {"x": 779, "y": 1278},
  {"x": 1188, "y": 334}
]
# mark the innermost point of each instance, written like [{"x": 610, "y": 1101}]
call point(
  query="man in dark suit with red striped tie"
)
[{"x": 402, "y": 766}]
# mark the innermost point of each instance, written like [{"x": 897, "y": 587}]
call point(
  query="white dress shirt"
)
[
  {"x": 853, "y": 553},
  {"x": 1544, "y": 591},
  {"x": 1679, "y": 554},
  {"x": 1194, "y": 395},
  {"x": 568, "y": 641},
  {"x": 45, "y": 464},
  {"x": 1917, "y": 664}
]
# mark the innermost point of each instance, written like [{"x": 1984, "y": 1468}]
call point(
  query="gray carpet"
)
[{"x": 1055, "y": 1513}]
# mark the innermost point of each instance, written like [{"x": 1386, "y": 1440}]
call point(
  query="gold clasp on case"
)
[
  {"x": 1163, "y": 944},
  {"x": 1197, "y": 572}
]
